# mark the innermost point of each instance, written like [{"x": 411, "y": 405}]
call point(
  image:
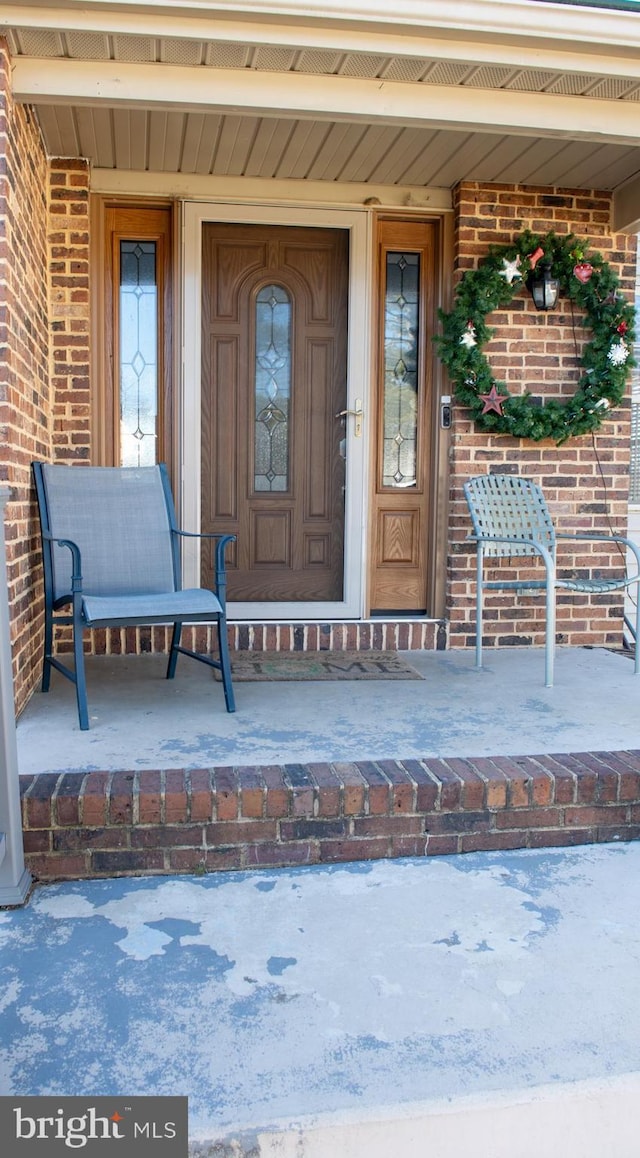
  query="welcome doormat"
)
[{"x": 320, "y": 665}]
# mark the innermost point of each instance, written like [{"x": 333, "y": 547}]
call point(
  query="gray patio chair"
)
[
  {"x": 111, "y": 556},
  {"x": 511, "y": 519}
]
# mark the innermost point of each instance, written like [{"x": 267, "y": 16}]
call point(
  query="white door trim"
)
[{"x": 358, "y": 386}]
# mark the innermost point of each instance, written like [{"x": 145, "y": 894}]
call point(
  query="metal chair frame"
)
[
  {"x": 511, "y": 519},
  {"x": 178, "y": 606}
]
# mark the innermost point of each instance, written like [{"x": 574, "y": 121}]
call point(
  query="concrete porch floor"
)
[
  {"x": 141, "y": 720},
  {"x": 481, "y": 1004}
]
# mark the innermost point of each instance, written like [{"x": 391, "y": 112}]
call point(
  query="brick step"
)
[
  {"x": 364, "y": 635},
  {"x": 370, "y": 634},
  {"x": 97, "y": 824}
]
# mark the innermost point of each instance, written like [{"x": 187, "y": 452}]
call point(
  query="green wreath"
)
[{"x": 605, "y": 361}]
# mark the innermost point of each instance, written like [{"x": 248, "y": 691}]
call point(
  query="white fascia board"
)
[
  {"x": 602, "y": 40},
  {"x": 501, "y": 18},
  {"x": 166, "y": 87}
]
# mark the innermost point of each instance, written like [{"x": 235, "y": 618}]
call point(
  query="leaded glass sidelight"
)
[
  {"x": 401, "y": 334},
  {"x": 138, "y": 353},
  {"x": 272, "y": 389}
]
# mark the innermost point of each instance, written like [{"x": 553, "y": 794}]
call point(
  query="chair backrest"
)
[
  {"x": 120, "y": 518},
  {"x": 505, "y": 504}
]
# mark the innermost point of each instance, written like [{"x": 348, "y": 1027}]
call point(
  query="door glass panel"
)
[
  {"x": 138, "y": 353},
  {"x": 400, "y": 406},
  {"x": 272, "y": 389}
]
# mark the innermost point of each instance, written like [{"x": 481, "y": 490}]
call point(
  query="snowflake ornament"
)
[
  {"x": 510, "y": 269},
  {"x": 618, "y": 354},
  {"x": 469, "y": 339}
]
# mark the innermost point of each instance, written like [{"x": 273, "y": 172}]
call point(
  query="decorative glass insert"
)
[
  {"x": 138, "y": 353},
  {"x": 401, "y": 322},
  {"x": 272, "y": 389}
]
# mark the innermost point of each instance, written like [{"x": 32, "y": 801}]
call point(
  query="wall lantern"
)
[{"x": 544, "y": 288}]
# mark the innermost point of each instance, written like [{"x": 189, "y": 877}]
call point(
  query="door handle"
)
[{"x": 357, "y": 413}]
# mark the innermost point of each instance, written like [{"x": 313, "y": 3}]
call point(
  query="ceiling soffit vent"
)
[
  {"x": 488, "y": 77},
  {"x": 318, "y": 63},
  {"x": 228, "y": 55},
  {"x": 87, "y": 45},
  {"x": 184, "y": 52},
  {"x": 135, "y": 48}
]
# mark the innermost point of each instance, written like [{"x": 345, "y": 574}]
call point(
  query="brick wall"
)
[
  {"x": 70, "y": 322},
  {"x": 70, "y": 308},
  {"x": 585, "y": 480},
  {"x": 120, "y": 823},
  {"x": 25, "y": 390},
  {"x": 44, "y": 348}
]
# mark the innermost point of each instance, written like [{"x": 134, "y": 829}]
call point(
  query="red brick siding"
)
[
  {"x": 70, "y": 314},
  {"x": 44, "y": 356},
  {"x": 25, "y": 390},
  {"x": 405, "y": 634},
  {"x": 70, "y": 309},
  {"x": 537, "y": 350},
  {"x": 121, "y": 823}
]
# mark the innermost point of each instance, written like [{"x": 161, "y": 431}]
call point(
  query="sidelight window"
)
[
  {"x": 133, "y": 322},
  {"x": 138, "y": 353},
  {"x": 400, "y": 389}
]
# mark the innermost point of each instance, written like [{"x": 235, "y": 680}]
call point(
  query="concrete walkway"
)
[
  {"x": 141, "y": 720},
  {"x": 484, "y": 1004}
]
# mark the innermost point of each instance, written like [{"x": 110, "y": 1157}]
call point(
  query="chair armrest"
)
[
  {"x": 202, "y": 534},
  {"x": 537, "y": 548},
  {"x": 76, "y": 566},
  {"x": 219, "y": 562},
  {"x": 221, "y": 544},
  {"x": 596, "y": 538}
]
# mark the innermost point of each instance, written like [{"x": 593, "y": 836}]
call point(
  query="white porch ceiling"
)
[
  {"x": 282, "y": 148},
  {"x": 298, "y": 103}
]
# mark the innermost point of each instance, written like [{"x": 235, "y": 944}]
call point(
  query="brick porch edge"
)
[{"x": 80, "y": 825}]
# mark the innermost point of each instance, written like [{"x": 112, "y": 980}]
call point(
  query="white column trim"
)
[
  {"x": 626, "y": 207},
  {"x": 15, "y": 880}
]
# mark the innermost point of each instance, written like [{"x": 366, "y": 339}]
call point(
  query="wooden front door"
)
[{"x": 274, "y": 350}]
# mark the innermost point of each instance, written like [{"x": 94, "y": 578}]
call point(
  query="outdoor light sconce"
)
[{"x": 543, "y": 287}]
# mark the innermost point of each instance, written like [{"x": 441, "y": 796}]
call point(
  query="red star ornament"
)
[{"x": 492, "y": 401}]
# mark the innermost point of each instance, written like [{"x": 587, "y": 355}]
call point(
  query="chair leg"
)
[
  {"x": 48, "y": 647},
  {"x": 636, "y": 650},
  {"x": 173, "y": 654},
  {"x": 479, "y": 607},
  {"x": 225, "y": 664},
  {"x": 81, "y": 683},
  {"x": 550, "y": 636}
]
